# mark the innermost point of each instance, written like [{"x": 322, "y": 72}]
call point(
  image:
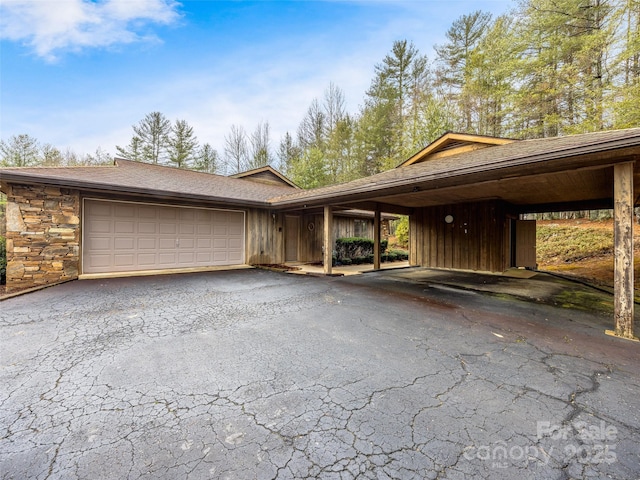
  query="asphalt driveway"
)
[{"x": 255, "y": 374}]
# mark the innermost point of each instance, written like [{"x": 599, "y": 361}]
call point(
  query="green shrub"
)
[
  {"x": 400, "y": 254},
  {"x": 358, "y": 260},
  {"x": 3, "y": 260},
  {"x": 351, "y": 247},
  {"x": 346, "y": 261}
]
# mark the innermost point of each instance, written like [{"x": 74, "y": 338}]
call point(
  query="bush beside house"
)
[
  {"x": 354, "y": 247},
  {"x": 357, "y": 251}
]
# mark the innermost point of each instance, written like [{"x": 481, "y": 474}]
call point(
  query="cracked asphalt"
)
[{"x": 252, "y": 374}]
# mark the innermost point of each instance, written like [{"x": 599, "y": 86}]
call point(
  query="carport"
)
[{"x": 464, "y": 195}]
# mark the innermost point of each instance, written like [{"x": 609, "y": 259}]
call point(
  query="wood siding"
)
[
  {"x": 310, "y": 248},
  {"x": 265, "y": 236},
  {"x": 475, "y": 240},
  {"x": 265, "y": 177}
]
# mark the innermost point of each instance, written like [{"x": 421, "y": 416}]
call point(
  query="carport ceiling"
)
[{"x": 530, "y": 192}]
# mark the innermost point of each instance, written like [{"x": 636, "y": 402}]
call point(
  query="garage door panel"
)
[
  {"x": 166, "y": 213},
  {"x": 147, "y": 259},
  {"x": 146, "y": 243},
  {"x": 101, "y": 209},
  {"x": 124, "y": 243},
  {"x": 204, "y": 229},
  {"x": 186, "y": 258},
  {"x": 165, "y": 259},
  {"x": 121, "y": 227},
  {"x": 100, "y": 244},
  {"x": 204, "y": 243},
  {"x": 123, "y": 260},
  {"x": 121, "y": 236},
  {"x": 186, "y": 214},
  {"x": 187, "y": 229},
  {"x": 101, "y": 260},
  {"x": 124, "y": 210},
  {"x": 220, "y": 256},
  {"x": 235, "y": 243},
  {"x": 220, "y": 230},
  {"x": 235, "y": 257},
  {"x": 204, "y": 216},
  {"x": 220, "y": 243},
  {"x": 168, "y": 228},
  {"x": 204, "y": 257},
  {"x": 99, "y": 226},
  {"x": 147, "y": 212},
  {"x": 167, "y": 243},
  {"x": 147, "y": 227}
]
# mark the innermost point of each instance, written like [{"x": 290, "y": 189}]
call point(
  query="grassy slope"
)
[{"x": 580, "y": 248}]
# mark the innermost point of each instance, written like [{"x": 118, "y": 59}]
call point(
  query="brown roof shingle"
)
[
  {"x": 517, "y": 154},
  {"x": 126, "y": 176},
  {"x": 145, "y": 179}
]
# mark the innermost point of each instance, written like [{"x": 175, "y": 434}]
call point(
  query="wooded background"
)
[{"x": 547, "y": 68}]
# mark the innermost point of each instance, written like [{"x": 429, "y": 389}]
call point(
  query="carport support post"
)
[
  {"x": 376, "y": 239},
  {"x": 623, "y": 248},
  {"x": 327, "y": 258}
]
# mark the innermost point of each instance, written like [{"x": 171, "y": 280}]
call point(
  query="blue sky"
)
[{"x": 78, "y": 74}]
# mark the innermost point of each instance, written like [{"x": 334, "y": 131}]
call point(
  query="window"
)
[{"x": 361, "y": 228}]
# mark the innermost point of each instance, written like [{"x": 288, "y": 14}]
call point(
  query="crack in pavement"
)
[{"x": 254, "y": 374}]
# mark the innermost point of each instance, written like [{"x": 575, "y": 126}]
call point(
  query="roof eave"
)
[
  {"x": 102, "y": 187},
  {"x": 507, "y": 164},
  {"x": 434, "y": 146}
]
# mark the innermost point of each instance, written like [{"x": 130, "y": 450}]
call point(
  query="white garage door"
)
[{"x": 125, "y": 237}]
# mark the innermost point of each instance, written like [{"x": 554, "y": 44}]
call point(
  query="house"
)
[
  {"x": 70, "y": 222},
  {"x": 464, "y": 195}
]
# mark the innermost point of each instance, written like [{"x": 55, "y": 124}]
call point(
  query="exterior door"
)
[
  {"x": 292, "y": 234},
  {"x": 525, "y": 244}
]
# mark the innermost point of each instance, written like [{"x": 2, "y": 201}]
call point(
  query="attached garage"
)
[{"x": 128, "y": 236}]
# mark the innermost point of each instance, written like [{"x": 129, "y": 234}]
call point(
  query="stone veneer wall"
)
[{"x": 43, "y": 235}]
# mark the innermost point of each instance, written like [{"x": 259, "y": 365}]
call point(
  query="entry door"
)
[
  {"x": 292, "y": 233},
  {"x": 525, "y": 244}
]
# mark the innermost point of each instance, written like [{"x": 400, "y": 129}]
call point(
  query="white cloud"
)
[{"x": 50, "y": 27}]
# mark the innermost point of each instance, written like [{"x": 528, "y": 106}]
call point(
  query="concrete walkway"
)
[
  {"x": 252, "y": 374},
  {"x": 307, "y": 268}
]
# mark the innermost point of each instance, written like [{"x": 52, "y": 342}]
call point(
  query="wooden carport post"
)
[
  {"x": 623, "y": 248},
  {"x": 376, "y": 239},
  {"x": 327, "y": 256}
]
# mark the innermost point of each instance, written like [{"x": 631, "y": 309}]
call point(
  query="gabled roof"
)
[
  {"x": 527, "y": 172},
  {"x": 499, "y": 163},
  {"x": 452, "y": 143},
  {"x": 129, "y": 177},
  {"x": 266, "y": 174}
]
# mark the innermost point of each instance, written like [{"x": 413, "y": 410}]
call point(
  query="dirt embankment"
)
[{"x": 581, "y": 248}]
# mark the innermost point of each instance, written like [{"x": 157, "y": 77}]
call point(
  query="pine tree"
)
[
  {"x": 207, "y": 159},
  {"x": 454, "y": 62},
  {"x": 394, "y": 99},
  {"x": 288, "y": 154},
  {"x": 150, "y": 140},
  {"x": 19, "y": 151},
  {"x": 182, "y": 144}
]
